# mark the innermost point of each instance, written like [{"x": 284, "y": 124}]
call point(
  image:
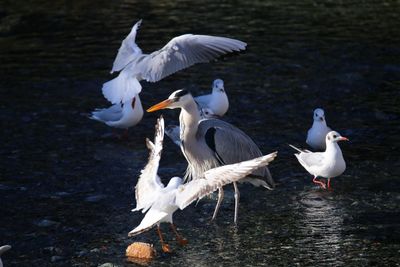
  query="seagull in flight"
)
[{"x": 179, "y": 53}]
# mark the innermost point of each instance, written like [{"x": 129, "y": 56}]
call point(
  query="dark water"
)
[{"x": 66, "y": 183}]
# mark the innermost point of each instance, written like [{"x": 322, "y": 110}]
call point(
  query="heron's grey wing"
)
[
  {"x": 113, "y": 113},
  {"x": 128, "y": 50},
  {"x": 311, "y": 159},
  {"x": 149, "y": 182},
  {"x": 230, "y": 144},
  {"x": 184, "y": 51},
  {"x": 218, "y": 177},
  {"x": 152, "y": 217}
]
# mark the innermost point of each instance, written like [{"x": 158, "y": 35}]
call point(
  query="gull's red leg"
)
[
  {"x": 322, "y": 184},
  {"x": 165, "y": 247},
  {"x": 329, "y": 183},
  {"x": 182, "y": 241}
]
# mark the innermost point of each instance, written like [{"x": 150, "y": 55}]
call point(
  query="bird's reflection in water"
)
[{"x": 320, "y": 228}]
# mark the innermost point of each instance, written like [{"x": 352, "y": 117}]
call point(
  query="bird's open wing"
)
[
  {"x": 184, "y": 51},
  {"x": 218, "y": 177},
  {"x": 149, "y": 183},
  {"x": 151, "y": 218},
  {"x": 128, "y": 50}
]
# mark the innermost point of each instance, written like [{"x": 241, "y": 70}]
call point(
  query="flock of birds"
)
[{"x": 217, "y": 152}]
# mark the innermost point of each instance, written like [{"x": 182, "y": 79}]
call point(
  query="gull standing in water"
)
[
  {"x": 217, "y": 101},
  {"x": 121, "y": 115},
  {"x": 161, "y": 202},
  {"x": 179, "y": 53},
  {"x": 326, "y": 164},
  {"x": 210, "y": 143},
  {"x": 318, "y": 131}
]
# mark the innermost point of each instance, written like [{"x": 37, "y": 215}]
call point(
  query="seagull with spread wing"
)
[
  {"x": 160, "y": 202},
  {"x": 179, "y": 53}
]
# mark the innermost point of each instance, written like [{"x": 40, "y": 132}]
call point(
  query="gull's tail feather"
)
[
  {"x": 121, "y": 89},
  {"x": 295, "y": 148}
]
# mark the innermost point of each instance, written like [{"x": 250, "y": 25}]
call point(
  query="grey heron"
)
[
  {"x": 210, "y": 143},
  {"x": 327, "y": 164},
  {"x": 318, "y": 131},
  {"x": 179, "y": 53},
  {"x": 161, "y": 202}
]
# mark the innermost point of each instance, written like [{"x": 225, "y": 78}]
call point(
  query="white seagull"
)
[
  {"x": 122, "y": 115},
  {"x": 161, "y": 202},
  {"x": 2, "y": 250},
  {"x": 217, "y": 101},
  {"x": 326, "y": 164},
  {"x": 318, "y": 131},
  {"x": 179, "y": 53}
]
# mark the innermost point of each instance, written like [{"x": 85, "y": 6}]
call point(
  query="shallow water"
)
[{"x": 66, "y": 183}]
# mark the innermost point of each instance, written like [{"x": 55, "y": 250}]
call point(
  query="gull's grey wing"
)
[
  {"x": 231, "y": 145},
  {"x": 218, "y": 177},
  {"x": 113, "y": 113},
  {"x": 184, "y": 51},
  {"x": 149, "y": 182},
  {"x": 173, "y": 132},
  {"x": 128, "y": 50},
  {"x": 203, "y": 100},
  {"x": 311, "y": 159}
]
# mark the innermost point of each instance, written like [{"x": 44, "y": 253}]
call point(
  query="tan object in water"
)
[{"x": 140, "y": 250}]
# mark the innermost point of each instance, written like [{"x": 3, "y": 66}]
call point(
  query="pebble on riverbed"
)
[{"x": 141, "y": 251}]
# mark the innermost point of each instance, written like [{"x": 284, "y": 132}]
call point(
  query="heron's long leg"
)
[
  {"x": 182, "y": 241},
  {"x": 322, "y": 184},
  {"x": 220, "y": 198},
  {"x": 237, "y": 197},
  {"x": 165, "y": 247}
]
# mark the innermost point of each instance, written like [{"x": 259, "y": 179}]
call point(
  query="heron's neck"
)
[{"x": 189, "y": 120}]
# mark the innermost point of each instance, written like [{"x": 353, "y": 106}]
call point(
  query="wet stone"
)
[{"x": 95, "y": 198}]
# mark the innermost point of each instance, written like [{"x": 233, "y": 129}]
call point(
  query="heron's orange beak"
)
[
  {"x": 160, "y": 105},
  {"x": 344, "y": 139}
]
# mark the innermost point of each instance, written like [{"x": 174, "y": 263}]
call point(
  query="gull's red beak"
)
[
  {"x": 344, "y": 138},
  {"x": 160, "y": 105}
]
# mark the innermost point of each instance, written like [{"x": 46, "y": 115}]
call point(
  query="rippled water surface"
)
[{"x": 66, "y": 184}]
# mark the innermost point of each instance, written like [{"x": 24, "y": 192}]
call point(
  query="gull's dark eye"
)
[{"x": 334, "y": 136}]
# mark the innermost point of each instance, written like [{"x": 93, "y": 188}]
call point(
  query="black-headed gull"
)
[
  {"x": 327, "y": 164},
  {"x": 161, "y": 202},
  {"x": 121, "y": 116},
  {"x": 2, "y": 250},
  {"x": 179, "y": 53},
  {"x": 217, "y": 101},
  {"x": 318, "y": 131}
]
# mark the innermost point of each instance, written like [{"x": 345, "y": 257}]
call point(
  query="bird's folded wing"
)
[
  {"x": 184, "y": 51},
  {"x": 218, "y": 177},
  {"x": 151, "y": 218},
  {"x": 149, "y": 182},
  {"x": 128, "y": 50},
  {"x": 113, "y": 113},
  {"x": 312, "y": 159}
]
